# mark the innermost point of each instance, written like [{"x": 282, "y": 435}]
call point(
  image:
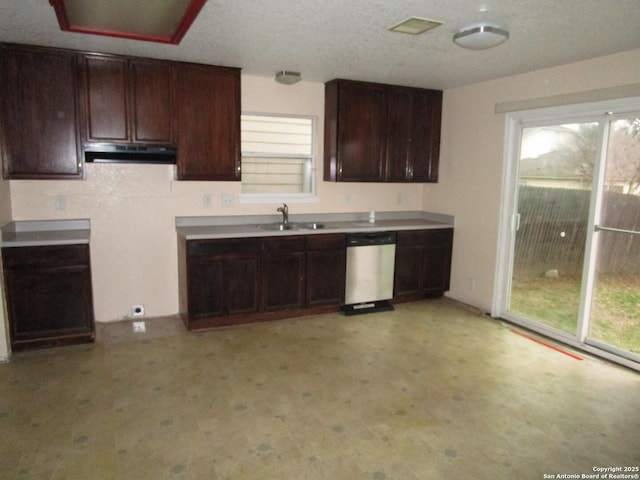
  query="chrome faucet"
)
[{"x": 285, "y": 213}]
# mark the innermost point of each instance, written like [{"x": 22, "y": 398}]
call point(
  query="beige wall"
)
[
  {"x": 472, "y": 159},
  {"x": 132, "y": 208},
  {"x": 5, "y": 217}
]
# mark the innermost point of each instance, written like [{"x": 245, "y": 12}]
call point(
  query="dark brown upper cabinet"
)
[
  {"x": 207, "y": 104},
  {"x": 39, "y": 120},
  {"x": 355, "y": 131},
  {"x": 381, "y": 133},
  {"x": 127, "y": 100},
  {"x": 413, "y": 136},
  {"x": 54, "y": 101}
]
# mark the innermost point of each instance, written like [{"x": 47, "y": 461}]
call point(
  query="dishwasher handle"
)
[{"x": 370, "y": 238}]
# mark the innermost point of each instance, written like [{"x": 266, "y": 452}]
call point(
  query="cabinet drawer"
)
[
  {"x": 438, "y": 236},
  {"x": 208, "y": 248},
  {"x": 410, "y": 237},
  {"x": 331, "y": 241},
  {"x": 283, "y": 244},
  {"x": 49, "y": 256}
]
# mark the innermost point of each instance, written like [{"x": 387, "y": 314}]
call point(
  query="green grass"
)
[{"x": 554, "y": 302}]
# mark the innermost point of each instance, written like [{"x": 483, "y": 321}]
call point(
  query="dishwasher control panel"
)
[{"x": 370, "y": 238}]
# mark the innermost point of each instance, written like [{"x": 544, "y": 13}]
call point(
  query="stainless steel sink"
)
[
  {"x": 279, "y": 226},
  {"x": 312, "y": 226}
]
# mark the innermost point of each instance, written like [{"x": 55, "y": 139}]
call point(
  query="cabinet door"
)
[
  {"x": 283, "y": 272},
  {"x": 409, "y": 264},
  {"x": 206, "y": 288},
  {"x": 222, "y": 286},
  {"x": 424, "y": 149},
  {"x": 222, "y": 277},
  {"x": 207, "y": 103},
  {"x": 49, "y": 298},
  {"x": 413, "y": 142},
  {"x": 106, "y": 99},
  {"x": 326, "y": 269},
  {"x": 241, "y": 285},
  {"x": 152, "y": 103},
  {"x": 38, "y": 125},
  {"x": 437, "y": 258},
  {"x": 423, "y": 263},
  {"x": 356, "y": 119},
  {"x": 400, "y": 135}
]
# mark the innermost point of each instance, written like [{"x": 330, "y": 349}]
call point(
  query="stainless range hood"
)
[{"x": 114, "y": 153}]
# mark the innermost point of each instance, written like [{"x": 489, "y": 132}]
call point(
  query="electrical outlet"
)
[
  {"x": 139, "y": 327},
  {"x": 137, "y": 311},
  {"x": 60, "y": 202},
  {"x": 347, "y": 198},
  {"x": 402, "y": 199},
  {"x": 207, "y": 201},
  {"x": 228, "y": 200}
]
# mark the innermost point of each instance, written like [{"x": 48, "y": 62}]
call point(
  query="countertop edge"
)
[
  {"x": 203, "y": 228},
  {"x": 36, "y": 233}
]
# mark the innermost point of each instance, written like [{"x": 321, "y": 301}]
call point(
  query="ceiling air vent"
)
[{"x": 415, "y": 26}]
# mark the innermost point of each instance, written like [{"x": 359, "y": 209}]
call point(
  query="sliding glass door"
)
[
  {"x": 553, "y": 196},
  {"x": 614, "y": 320},
  {"x": 570, "y": 243}
]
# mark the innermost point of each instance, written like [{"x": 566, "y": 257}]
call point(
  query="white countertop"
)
[
  {"x": 34, "y": 233},
  {"x": 201, "y": 228}
]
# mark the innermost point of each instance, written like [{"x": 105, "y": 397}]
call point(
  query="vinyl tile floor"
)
[{"x": 431, "y": 390}]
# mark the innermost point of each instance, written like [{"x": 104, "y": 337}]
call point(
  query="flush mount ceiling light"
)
[
  {"x": 287, "y": 78},
  {"x": 480, "y": 36},
  {"x": 164, "y": 21},
  {"x": 415, "y": 26}
]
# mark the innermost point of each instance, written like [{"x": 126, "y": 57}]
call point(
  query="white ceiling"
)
[{"x": 326, "y": 39}]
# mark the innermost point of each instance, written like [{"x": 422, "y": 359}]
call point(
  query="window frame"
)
[{"x": 310, "y": 197}]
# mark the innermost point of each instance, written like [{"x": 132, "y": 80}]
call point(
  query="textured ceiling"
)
[{"x": 327, "y": 39}]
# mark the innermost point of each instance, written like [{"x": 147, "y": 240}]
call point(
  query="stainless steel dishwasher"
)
[{"x": 370, "y": 268}]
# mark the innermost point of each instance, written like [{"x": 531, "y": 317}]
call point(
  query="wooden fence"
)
[{"x": 553, "y": 228}]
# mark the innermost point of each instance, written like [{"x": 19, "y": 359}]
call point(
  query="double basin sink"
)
[{"x": 279, "y": 226}]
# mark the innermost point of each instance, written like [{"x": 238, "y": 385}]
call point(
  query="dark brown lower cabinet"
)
[
  {"x": 49, "y": 295},
  {"x": 326, "y": 257},
  {"x": 245, "y": 280},
  {"x": 283, "y": 272},
  {"x": 219, "y": 278},
  {"x": 423, "y": 263}
]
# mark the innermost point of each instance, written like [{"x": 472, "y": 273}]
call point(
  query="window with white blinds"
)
[{"x": 277, "y": 154}]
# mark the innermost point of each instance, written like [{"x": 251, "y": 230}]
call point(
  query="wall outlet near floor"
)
[
  {"x": 139, "y": 327},
  {"x": 137, "y": 311}
]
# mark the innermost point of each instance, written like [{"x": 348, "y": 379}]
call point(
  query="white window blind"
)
[{"x": 277, "y": 154}]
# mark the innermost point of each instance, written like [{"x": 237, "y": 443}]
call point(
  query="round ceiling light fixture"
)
[
  {"x": 287, "y": 77},
  {"x": 480, "y": 36}
]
